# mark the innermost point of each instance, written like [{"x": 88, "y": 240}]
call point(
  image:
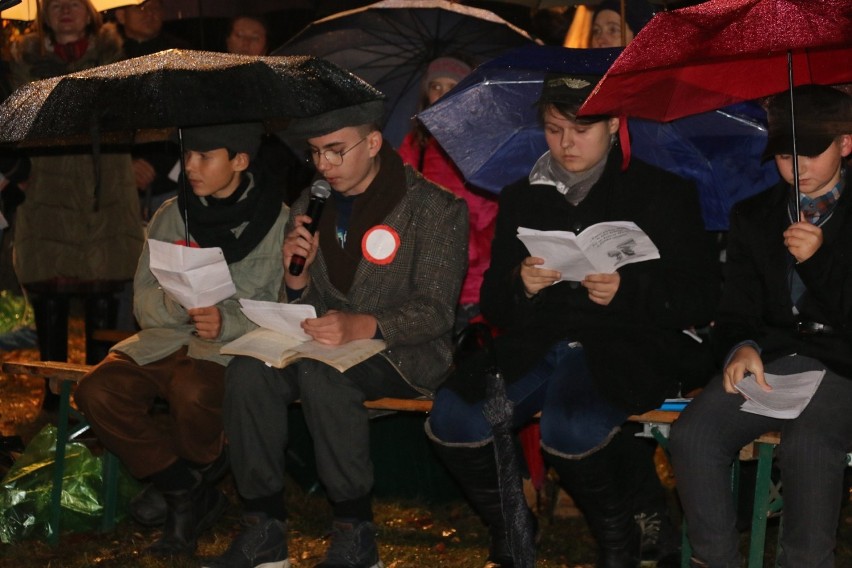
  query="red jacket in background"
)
[{"x": 437, "y": 167}]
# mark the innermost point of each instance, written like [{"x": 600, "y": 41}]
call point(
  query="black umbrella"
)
[
  {"x": 390, "y": 43},
  {"x": 144, "y": 98}
]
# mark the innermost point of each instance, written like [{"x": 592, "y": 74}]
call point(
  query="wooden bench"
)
[{"x": 63, "y": 376}]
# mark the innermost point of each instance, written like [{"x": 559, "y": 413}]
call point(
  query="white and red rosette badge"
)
[{"x": 380, "y": 244}]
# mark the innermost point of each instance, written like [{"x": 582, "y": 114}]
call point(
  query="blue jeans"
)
[{"x": 575, "y": 418}]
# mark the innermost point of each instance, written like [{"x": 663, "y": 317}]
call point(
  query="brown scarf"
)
[{"x": 370, "y": 209}]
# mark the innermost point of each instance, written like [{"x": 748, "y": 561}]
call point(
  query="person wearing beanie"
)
[
  {"x": 386, "y": 262},
  {"x": 784, "y": 310},
  {"x": 175, "y": 356},
  {"x": 422, "y": 152},
  {"x": 65, "y": 248},
  {"x": 585, "y": 354},
  {"x": 607, "y": 29}
]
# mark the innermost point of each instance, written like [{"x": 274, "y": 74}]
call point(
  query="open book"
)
[
  {"x": 280, "y": 340},
  {"x": 599, "y": 249}
]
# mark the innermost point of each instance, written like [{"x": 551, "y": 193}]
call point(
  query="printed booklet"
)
[{"x": 599, "y": 249}]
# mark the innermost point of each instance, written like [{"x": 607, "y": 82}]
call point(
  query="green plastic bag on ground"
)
[
  {"x": 14, "y": 312},
  {"x": 26, "y": 490}
]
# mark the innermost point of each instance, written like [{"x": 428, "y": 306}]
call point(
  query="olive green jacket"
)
[{"x": 165, "y": 323}]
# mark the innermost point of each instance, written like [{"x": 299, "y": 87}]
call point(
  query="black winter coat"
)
[
  {"x": 635, "y": 345},
  {"x": 756, "y": 303}
]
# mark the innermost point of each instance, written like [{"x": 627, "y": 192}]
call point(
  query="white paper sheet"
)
[
  {"x": 789, "y": 396},
  {"x": 194, "y": 277},
  {"x": 283, "y": 318}
]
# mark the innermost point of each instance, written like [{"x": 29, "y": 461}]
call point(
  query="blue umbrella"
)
[{"x": 489, "y": 126}]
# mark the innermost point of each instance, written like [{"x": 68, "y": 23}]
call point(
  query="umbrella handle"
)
[
  {"x": 793, "y": 131},
  {"x": 183, "y": 187}
]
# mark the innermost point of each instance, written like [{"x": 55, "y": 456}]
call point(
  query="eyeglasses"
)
[{"x": 333, "y": 157}]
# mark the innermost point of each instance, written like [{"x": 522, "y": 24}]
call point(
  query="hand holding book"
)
[
  {"x": 280, "y": 339},
  {"x": 599, "y": 249}
]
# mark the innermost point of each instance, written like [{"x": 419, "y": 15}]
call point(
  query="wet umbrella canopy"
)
[
  {"x": 390, "y": 44},
  {"x": 489, "y": 126},
  {"x": 726, "y": 51},
  {"x": 146, "y": 97}
]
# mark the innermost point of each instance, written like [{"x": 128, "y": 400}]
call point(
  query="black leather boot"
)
[
  {"x": 189, "y": 513},
  {"x": 596, "y": 486},
  {"x": 475, "y": 469},
  {"x": 50, "y": 312},
  {"x": 148, "y": 507}
]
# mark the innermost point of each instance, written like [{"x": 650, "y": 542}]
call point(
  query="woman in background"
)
[
  {"x": 422, "y": 151},
  {"x": 78, "y": 231}
]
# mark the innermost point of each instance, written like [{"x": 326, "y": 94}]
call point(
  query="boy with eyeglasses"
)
[{"x": 387, "y": 261}]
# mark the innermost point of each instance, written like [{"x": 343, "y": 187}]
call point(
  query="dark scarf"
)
[
  {"x": 212, "y": 224},
  {"x": 71, "y": 51},
  {"x": 370, "y": 209}
]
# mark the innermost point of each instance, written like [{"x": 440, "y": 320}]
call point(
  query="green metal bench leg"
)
[
  {"x": 110, "y": 469},
  {"x": 685, "y": 547},
  {"x": 59, "y": 462},
  {"x": 109, "y": 491}
]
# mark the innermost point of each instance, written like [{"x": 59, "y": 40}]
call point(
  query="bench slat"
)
[
  {"x": 48, "y": 369},
  {"x": 62, "y": 371}
]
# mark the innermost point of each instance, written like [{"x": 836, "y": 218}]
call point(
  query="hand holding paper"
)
[
  {"x": 599, "y": 249},
  {"x": 789, "y": 396},
  {"x": 283, "y": 318},
  {"x": 280, "y": 339},
  {"x": 194, "y": 277}
]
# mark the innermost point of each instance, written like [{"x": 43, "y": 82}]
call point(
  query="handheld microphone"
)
[{"x": 320, "y": 191}]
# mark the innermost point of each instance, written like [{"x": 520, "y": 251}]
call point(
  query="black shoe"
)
[
  {"x": 500, "y": 562},
  {"x": 217, "y": 469},
  {"x": 353, "y": 545},
  {"x": 188, "y": 514},
  {"x": 148, "y": 507},
  {"x": 660, "y": 542},
  {"x": 263, "y": 544}
]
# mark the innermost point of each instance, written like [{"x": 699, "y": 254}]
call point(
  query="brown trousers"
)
[{"x": 117, "y": 396}]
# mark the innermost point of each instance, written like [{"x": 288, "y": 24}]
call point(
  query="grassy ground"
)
[{"x": 412, "y": 531}]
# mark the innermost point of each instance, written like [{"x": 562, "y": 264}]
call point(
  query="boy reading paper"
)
[
  {"x": 386, "y": 262},
  {"x": 176, "y": 355}
]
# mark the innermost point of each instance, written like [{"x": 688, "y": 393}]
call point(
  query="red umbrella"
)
[{"x": 722, "y": 52}]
